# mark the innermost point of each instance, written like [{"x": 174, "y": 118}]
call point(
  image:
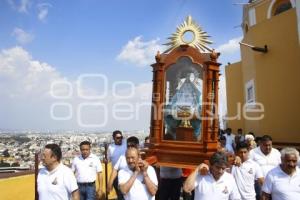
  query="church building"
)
[{"x": 263, "y": 89}]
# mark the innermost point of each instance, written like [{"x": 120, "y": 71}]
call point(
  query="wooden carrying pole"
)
[
  {"x": 36, "y": 171},
  {"x": 106, "y": 172}
]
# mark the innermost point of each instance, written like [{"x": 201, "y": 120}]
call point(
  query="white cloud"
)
[
  {"x": 140, "y": 53},
  {"x": 43, "y": 10},
  {"x": 21, "y": 6},
  {"x": 231, "y": 47},
  {"x": 23, "y": 75},
  {"x": 26, "y": 100},
  {"x": 24, "y": 5},
  {"x": 22, "y": 36}
]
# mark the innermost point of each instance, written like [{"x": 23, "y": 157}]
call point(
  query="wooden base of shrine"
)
[{"x": 185, "y": 134}]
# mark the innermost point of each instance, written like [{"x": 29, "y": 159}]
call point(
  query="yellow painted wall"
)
[
  {"x": 22, "y": 187},
  {"x": 262, "y": 10},
  {"x": 234, "y": 90},
  {"x": 276, "y": 75},
  {"x": 17, "y": 188}
]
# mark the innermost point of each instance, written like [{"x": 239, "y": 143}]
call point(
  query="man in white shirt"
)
[
  {"x": 138, "y": 181},
  {"x": 87, "y": 167},
  {"x": 266, "y": 157},
  {"x": 56, "y": 181},
  {"x": 229, "y": 140},
  {"x": 114, "y": 152},
  {"x": 217, "y": 184},
  {"x": 283, "y": 182},
  {"x": 121, "y": 163},
  {"x": 246, "y": 173},
  {"x": 240, "y": 137}
]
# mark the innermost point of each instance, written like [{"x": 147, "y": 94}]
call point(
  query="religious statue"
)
[{"x": 183, "y": 109}]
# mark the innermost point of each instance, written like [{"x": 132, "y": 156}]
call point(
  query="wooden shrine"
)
[{"x": 184, "y": 117}]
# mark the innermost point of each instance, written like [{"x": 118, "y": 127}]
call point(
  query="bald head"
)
[{"x": 132, "y": 157}]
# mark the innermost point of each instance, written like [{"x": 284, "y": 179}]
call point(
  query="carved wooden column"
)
[
  {"x": 157, "y": 101},
  {"x": 212, "y": 122}
]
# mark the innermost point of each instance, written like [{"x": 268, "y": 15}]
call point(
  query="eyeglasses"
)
[{"x": 119, "y": 137}]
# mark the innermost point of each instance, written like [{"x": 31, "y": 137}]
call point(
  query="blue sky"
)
[{"x": 61, "y": 40}]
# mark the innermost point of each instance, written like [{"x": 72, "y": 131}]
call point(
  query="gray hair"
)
[
  {"x": 218, "y": 158},
  {"x": 289, "y": 151}
]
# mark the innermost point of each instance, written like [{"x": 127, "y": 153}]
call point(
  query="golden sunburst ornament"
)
[{"x": 199, "y": 38}]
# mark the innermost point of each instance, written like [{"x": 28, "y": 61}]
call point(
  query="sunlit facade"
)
[{"x": 267, "y": 81}]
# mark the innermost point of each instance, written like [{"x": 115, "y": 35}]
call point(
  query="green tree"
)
[
  {"x": 4, "y": 164},
  {"x": 5, "y": 153},
  {"x": 15, "y": 164}
]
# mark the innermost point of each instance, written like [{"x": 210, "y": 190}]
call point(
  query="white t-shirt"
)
[
  {"x": 115, "y": 151},
  {"x": 244, "y": 176},
  {"x": 57, "y": 184},
  {"x": 282, "y": 186},
  {"x": 138, "y": 191},
  {"x": 121, "y": 163},
  {"x": 207, "y": 188},
  {"x": 86, "y": 169},
  {"x": 229, "y": 142},
  {"x": 266, "y": 162}
]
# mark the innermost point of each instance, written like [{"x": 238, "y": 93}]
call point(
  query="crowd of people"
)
[{"x": 245, "y": 167}]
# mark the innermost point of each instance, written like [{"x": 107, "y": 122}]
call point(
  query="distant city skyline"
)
[{"x": 85, "y": 65}]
